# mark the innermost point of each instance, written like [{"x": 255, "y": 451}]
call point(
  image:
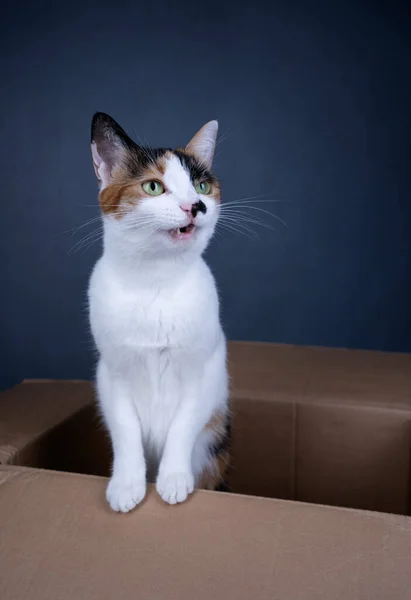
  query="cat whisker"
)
[
  {"x": 242, "y": 215},
  {"x": 217, "y": 232},
  {"x": 240, "y": 229},
  {"x": 240, "y": 223},
  {"x": 239, "y": 232},
  {"x": 253, "y": 201},
  {"x": 262, "y": 210},
  {"x": 89, "y": 244},
  {"x": 247, "y": 198},
  {"x": 86, "y": 240},
  {"x": 137, "y": 224},
  {"x": 241, "y": 219},
  {"x": 76, "y": 229}
]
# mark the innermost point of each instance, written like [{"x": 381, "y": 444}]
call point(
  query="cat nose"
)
[
  {"x": 186, "y": 207},
  {"x": 195, "y": 208}
]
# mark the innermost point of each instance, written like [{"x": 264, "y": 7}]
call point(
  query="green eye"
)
[
  {"x": 153, "y": 188},
  {"x": 203, "y": 188}
]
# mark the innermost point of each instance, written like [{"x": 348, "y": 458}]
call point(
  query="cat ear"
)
[
  {"x": 109, "y": 147},
  {"x": 202, "y": 145}
]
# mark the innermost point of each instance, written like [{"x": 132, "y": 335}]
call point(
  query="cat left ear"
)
[
  {"x": 110, "y": 146},
  {"x": 202, "y": 145}
]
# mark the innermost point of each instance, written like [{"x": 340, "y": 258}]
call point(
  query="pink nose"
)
[{"x": 186, "y": 207}]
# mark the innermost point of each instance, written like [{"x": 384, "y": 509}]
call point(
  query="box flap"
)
[
  {"x": 60, "y": 540},
  {"x": 320, "y": 375}
]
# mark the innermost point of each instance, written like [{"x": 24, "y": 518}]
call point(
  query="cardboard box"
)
[
  {"x": 310, "y": 425},
  {"x": 60, "y": 541}
]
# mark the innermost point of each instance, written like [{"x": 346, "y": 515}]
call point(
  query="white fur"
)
[{"x": 154, "y": 315}]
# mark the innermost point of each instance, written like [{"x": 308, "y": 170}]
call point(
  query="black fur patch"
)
[
  {"x": 141, "y": 158},
  {"x": 195, "y": 170},
  {"x": 198, "y": 207},
  {"x": 224, "y": 444}
]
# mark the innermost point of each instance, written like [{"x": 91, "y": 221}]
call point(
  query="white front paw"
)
[
  {"x": 124, "y": 494},
  {"x": 175, "y": 487}
]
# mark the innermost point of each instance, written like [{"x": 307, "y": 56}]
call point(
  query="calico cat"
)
[{"x": 154, "y": 312}]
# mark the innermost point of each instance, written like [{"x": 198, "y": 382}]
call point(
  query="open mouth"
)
[{"x": 182, "y": 232}]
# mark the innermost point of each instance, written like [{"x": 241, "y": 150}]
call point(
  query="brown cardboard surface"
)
[
  {"x": 309, "y": 424},
  {"x": 321, "y": 375},
  {"x": 32, "y": 409},
  {"x": 358, "y": 458},
  {"x": 60, "y": 541}
]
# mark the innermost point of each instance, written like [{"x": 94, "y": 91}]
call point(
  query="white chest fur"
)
[{"x": 130, "y": 317}]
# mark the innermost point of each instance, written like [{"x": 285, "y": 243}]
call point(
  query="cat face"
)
[{"x": 158, "y": 199}]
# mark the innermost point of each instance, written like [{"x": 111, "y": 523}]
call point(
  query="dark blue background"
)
[{"x": 314, "y": 103}]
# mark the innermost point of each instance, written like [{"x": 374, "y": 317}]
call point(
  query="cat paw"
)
[
  {"x": 175, "y": 487},
  {"x": 124, "y": 495}
]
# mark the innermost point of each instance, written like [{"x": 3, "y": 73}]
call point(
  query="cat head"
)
[{"x": 159, "y": 199}]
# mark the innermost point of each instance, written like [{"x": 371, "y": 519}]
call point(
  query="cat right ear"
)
[{"x": 109, "y": 147}]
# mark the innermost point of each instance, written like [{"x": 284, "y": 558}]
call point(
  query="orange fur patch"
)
[
  {"x": 215, "y": 192},
  {"x": 125, "y": 192}
]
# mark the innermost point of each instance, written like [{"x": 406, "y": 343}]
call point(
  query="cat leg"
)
[
  {"x": 127, "y": 486},
  {"x": 175, "y": 479},
  {"x": 204, "y": 392}
]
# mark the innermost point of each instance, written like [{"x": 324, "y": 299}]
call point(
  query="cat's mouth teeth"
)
[{"x": 183, "y": 232}]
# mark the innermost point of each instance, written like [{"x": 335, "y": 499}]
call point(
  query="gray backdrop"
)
[{"x": 314, "y": 109}]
